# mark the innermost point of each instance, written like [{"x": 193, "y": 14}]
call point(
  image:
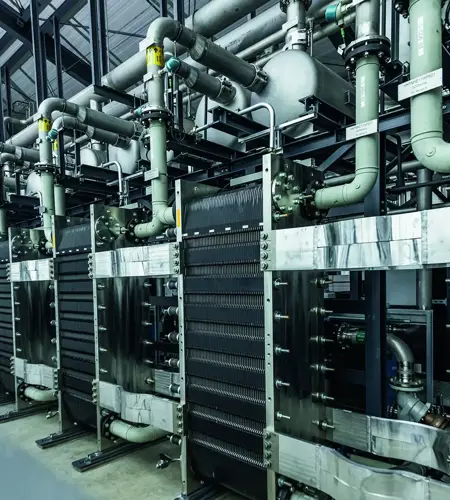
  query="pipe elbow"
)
[
  {"x": 49, "y": 105},
  {"x": 148, "y": 229},
  {"x": 400, "y": 349},
  {"x": 40, "y": 395},
  {"x": 134, "y": 434},
  {"x": 161, "y": 28},
  {"x": 433, "y": 153},
  {"x": 348, "y": 194}
]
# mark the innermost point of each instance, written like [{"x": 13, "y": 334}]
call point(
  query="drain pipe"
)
[
  {"x": 426, "y": 108},
  {"x": 134, "y": 434},
  {"x": 367, "y": 160},
  {"x": 220, "y": 91},
  {"x": 203, "y": 51},
  {"x": 40, "y": 395}
]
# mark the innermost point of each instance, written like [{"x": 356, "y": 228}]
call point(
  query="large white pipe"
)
[
  {"x": 134, "y": 434},
  {"x": 40, "y": 395}
]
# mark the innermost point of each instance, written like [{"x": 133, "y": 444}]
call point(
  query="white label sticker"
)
[
  {"x": 363, "y": 91},
  {"x": 420, "y": 84},
  {"x": 361, "y": 130},
  {"x": 420, "y": 44}
]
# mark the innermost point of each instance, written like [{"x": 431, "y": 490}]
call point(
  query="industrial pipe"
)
[
  {"x": 162, "y": 214},
  {"x": 220, "y": 91},
  {"x": 134, "y": 434},
  {"x": 424, "y": 276},
  {"x": 426, "y": 108},
  {"x": 60, "y": 200},
  {"x": 18, "y": 153},
  {"x": 367, "y": 160},
  {"x": 119, "y": 175},
  {"x": 206, "y": 52},
  {"x": 213, "y": 16},
  {"x": 40, "y": 395},
  {"x": 67, "y": 122}
]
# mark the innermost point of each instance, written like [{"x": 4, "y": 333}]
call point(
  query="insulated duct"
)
[
  {"x": 134, "y": 434},
  {"x": 426, "y": 109},
  {"x": 367, "y": 161},
  {"x": 18, "y": 153},
  {"x": 60, "y": 200}
]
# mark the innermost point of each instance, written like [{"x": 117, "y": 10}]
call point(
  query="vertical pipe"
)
[
  {"x": 424, "y": 276},
  {"x": 7, "y": 80},
  {"x": 163, "y": 11},
  {"x": 58, "y": 58},
  {"x": 296, "y": 11},
  {"x": 2, "y": 115},
  {"x": 60, "y": 200},
  {"x": 40, "y": 82},
  {"x": 99, "y": 40}
]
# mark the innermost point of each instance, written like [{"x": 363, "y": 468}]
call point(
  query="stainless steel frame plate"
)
[
  {"x": 155, "y": 260},
  {"x": 328, "y": 471},
  {"x": 42, "y": 375},
  {"x": 139, "y": 408},
  {"x": 32, "y": 270},
  {"x": 404, "y": 241}
]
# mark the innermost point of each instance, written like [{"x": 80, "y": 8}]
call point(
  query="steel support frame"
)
[
  {"x": 58, "y": 57},
  {"x": 375, "y": 303},
  {"x": 99, "y": 40},
  {"x": 40, "y": 61}
]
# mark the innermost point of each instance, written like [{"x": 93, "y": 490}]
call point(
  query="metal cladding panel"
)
[
  {"x": 6, "y": 330},
  {"x": 224, "y": 335}
]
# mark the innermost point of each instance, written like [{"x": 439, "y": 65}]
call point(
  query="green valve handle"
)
[
  {"x": 52, "y": 135},
  {"x": 173, "y": 64}
]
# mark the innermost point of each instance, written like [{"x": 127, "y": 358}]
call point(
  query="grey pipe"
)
[
  {"x": 411, "y": 408},
  {"x": 67, "y": 122},
  {"x": 119, "y": 175},
  {"x": 367, "y": 108},
  {"x": 400, "y": 349},
  {"x": 424, "y": 276},
  {"x": 40, "y": 395},
  {"x": 3, "y": 223},
  {"x": 18, "y": 153},
  {"x": 223, "y": 92},
  {"x": 426, "y": 109},
  {"x": 206, "y": 52},
  {"x": 134, "y": 434},
  {"x": 60, "y": 200}
]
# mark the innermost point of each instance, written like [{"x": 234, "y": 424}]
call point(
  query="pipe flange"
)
[
  {"x": 44, "y": 167},
  {"x": 285, "y": 193},
  {"x": 130, "y": 234},
  {"x": 21, "y": 244},
  {"x": 105, "y": 229},
  {"x": 160, "y": 114},
  {"x": 415, "y": 385},
  {"x": 284, "y": 4},
  {"x": 105, "y": 424},
  {"x": 21, "y": 393},
  {"x": 366, "y": 46},
  {"x": 259, "y": 82}
]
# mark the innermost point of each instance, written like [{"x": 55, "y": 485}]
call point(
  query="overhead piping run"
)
[
  {"x": 205, "y": 52},
  {"x": 364, "y": 54},
  {"x": 426, "y": 109},
  {"x": 219, "y": 90},
  {"x": 18, "y": 153},
  {"x": 134, "y": 434}
]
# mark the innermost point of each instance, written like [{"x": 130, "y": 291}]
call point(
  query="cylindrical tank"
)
[
  {"x": 241, "y": 101},
  {"x": 294, "y": 75}
]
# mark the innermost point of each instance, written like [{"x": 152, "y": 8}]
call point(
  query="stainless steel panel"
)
[
  {"x": 35, "y": 374},
  {"x": 396, "y": 439},
  {"x": 32, "y": 270},
  {"x": 404, "y": 241},
  {"x": 330, "y": 472},
  {"x": 155, "y": 260},
  {"x": 139, "y": 408}
]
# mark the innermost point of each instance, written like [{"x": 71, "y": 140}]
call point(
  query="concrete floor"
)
[{"x": 29, "y": 473}]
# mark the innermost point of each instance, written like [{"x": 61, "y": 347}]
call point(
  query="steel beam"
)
[
  {"x": 58, "y": 57},
  {"x": 99, "y": 40},
  {"x": 40, "y": 63},
  {"x": 20, "y": 29}
]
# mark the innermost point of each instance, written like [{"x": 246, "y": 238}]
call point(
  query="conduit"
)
[
  {"x": 426, "y": 109},
  {"x": 40, "y": 395},
  {"x": 134, "y": 434},
  {"x": 367, "y": 161}
]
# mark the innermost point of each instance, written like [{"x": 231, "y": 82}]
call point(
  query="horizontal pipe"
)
[
  {"x": 40, "y": 395},
  {"x": 134, "y": 434},
  {"x": 18, "y": 153}
]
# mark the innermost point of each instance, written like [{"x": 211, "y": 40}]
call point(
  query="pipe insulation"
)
[
  {"x": 3, "y": 223},
  {"x": 40, "y": 395},
  {"x": 367, "y": 158},
  {"x": 426, "y": 109},
  {"x": 134, "y": 434},
  {"x": 206, "y": 52},
  {"x": 220, "y": 91},
  {"x": 60, "y": 200},
  {"x": 20, "y": 154},
  {"x": 209, "y": 20}
]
